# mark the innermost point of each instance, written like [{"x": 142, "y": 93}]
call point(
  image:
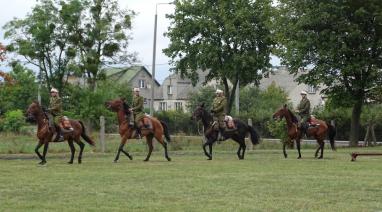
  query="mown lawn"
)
[{"x": 264, "y": 181}]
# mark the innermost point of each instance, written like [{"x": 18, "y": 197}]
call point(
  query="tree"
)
[
  {"x": 2, "y": 52},
  {"x": 341, "y": 41},
  {"x": 20, "y": 93},
  {"x": 103, "y": 38},
  {"x": 230, "y": 39},
  {"x": 203, "y": 95},
  {"x": 43, "y": 38}
]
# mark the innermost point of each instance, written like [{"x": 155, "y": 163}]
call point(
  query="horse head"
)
[
  {"x": 279, "y": 114},
  {"x": 117, "y": 105},
  {"x": 199, "y": 113},
  {"x": 33, "y": 111}
]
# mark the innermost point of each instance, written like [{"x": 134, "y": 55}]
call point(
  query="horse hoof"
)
[
  {"x": 145, "y": 160},
  {"x": 70, "y": 162},
  {"x": 79, "y": 162},
  {"x": 130, "y": 157},
  {"x": 299, "y": 158},
  {"x": 209, "y": 158},
  {"x": 285, "y": 156},
  {"x": 42, "y": 162},
  {"x": 320, "y": 158},
  {"x": 168, "y": 159},
  {"x": 115, "y": 161}
]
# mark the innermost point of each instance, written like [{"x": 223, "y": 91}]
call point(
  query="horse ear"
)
[
  {"x": 123, "y": 99},
  {"x": 202, "y": 105},
  {"x": 285, "y": 105}
]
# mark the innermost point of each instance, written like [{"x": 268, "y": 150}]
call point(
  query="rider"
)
[
  {"x": 218, "y": 112},
  {"x": 303, "y": 109},
  {"x": 137, "y": 112},
  {"x": 54, "y": 113}
]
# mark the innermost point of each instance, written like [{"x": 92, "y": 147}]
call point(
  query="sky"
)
[{"x": 142, "y": 30}]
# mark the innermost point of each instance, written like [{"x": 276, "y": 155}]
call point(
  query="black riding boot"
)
[
  {"x": 59, "y": 137},
  {"x": 221, "y": 134}
]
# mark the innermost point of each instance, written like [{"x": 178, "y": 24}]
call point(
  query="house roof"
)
[{"x": 126, "y": 74}]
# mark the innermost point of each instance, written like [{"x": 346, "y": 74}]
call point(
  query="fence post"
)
[
  {"x": 102, "y": 133},
  {"x": 250, "y": 145}
]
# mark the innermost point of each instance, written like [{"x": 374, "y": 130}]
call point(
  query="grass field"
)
[{"x": 264, "y": 181}]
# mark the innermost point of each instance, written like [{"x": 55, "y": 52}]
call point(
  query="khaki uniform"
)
[
  {"x": 137, "y": 108},
  {"x": 304, "y": 110},
  {"x": 218, "y": 109},
  {"x": 55, "y": 110}
]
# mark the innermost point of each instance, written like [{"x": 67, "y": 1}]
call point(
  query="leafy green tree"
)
[
  {"x": 341, "y": 41},
  {"x": 203, "y": 95},
  {"x": 230, "y": 39},
  {"x": 13, "y": 121},
  {"x": 43, "y": 38},
  {"x": 103, "y": 37},
  {"x": 21, "y": 92}
]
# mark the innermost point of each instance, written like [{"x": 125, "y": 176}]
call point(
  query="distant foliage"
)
[
  {"x": 13, "y": 121},
  {"x": 203, "y": 95},
  {"x": 178, "y": 122}
]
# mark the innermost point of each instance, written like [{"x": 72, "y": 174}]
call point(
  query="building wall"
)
[
  {"x": 286, "y": 81},
  {"x": 145, "y": 88}
]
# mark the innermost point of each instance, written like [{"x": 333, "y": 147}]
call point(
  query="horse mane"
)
[
  {"x": 294, "y": 118},
  {"x": 126, "y": 108}
]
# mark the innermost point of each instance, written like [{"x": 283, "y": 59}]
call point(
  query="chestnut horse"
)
[
  {"x": 211, "y": 135},
  {"x": 320, "y": 131},
  {"x": 158, "y": 129},
  {"x": 35, "y": 113}
]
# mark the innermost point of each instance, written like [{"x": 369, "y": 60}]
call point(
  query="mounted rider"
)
[
  {"x": 303, "y": 110},
  {"x": 137, "y": 113},
  {"x": 218, "y": 112},
  {"x": 54, "y": 114}
]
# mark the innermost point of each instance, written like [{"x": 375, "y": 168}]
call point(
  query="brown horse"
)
[
  {"x": 35, "y": 113},
  {"x": 319, "y": 131},
  {"x": 158, "y": 129}
]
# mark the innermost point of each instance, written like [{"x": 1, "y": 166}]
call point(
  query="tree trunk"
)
[{"x": 355, "y": 122}]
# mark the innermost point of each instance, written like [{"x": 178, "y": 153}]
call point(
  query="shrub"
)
[{"x": 13, "y": 121}]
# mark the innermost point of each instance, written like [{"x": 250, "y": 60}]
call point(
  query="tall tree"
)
[
  {"x": 43, "y": 38},
  {"x": 2, "y": 52},
  {"x": 341, "y": 41},
  {"x": 103, "y": 37},
  {"x": 230, "y": 39}
]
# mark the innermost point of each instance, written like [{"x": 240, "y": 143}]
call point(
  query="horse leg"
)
[
  {"x": 284, "y": 150},
  {"x": 149, "y": 139},
  {"x": 82, "y": 146},
  {"x": 46, "y": 145},
  {"x": 120, "y": 149},
  {"x": 72, "y": 151},
  {"x": 318, "y": 148},
  {"x": 38, "y": 146},
  {"x": 164, "y": 144},
  {"x": 242, "y": 148},
  {"x": 205, "y": 151},
  {"x": 298, "y": 148},
  {"x": 322, "y": 149}
]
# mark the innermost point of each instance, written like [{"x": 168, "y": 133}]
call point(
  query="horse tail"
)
[
  {"x": 332, "y": 131},
  {"x": 85, "y": 136},
  {"x": 254, "y": 135},
  {"x": 165, "y": 131}
]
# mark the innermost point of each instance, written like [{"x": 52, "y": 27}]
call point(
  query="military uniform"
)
[
  {"x": 138, "y": 109},
  {"x": 55, "y": 110},
  {"x": 218, "y": 109},
  {"x": 304, "y": 110}
]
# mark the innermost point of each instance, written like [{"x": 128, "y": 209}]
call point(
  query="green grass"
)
[{"x": 264, "y": 181}]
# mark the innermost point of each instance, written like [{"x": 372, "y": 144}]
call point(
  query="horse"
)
[
  {"x": 319, "y": 131},
  {"x": 211, "y": 135},
  {"x": 159, "y": 129},
  {"x": 35, "y": 113}
]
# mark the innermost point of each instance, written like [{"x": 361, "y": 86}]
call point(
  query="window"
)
[
  {"x": 311, "y": 89},
  {"x": 178, "y": 106},
  {"x": 169, "y": 89},
  {"x": 142, "y": 83},
  {"x": 163, "y": 106}
]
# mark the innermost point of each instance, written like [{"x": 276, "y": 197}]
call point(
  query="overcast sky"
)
[{"x": 142, "y": 31}]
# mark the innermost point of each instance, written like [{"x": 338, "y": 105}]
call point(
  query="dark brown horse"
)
[
  {"x": 320, "y": 131},
  {"x": 211, "y": 135},
  {"x": 45, "y": 134},
  {"x": 158, "y": 129}
]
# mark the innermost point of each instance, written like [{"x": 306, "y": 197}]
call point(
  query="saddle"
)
[
  {"x": 313, "y": 122},
  {"x": 145, "y": 123},
  {"x": 230, "y": 124},
  {"x": 65, "y": 125}
]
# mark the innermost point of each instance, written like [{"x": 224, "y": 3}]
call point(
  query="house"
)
[
  {"x": 175, "y": 91},
  {"x": 135, "y": 76},
  {"x": 282, "y": 78}
]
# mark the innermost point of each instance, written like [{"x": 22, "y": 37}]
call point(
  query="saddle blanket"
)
[{"x": 229, "y": 122}]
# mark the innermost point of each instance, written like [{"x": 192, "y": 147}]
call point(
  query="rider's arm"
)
[
  {"x": 221, "y": 107},
  {"x": 139, "y": 105}
]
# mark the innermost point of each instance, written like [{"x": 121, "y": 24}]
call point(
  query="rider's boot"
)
[
  {"x": 59, "y": 137},
  {"x": 221, "y": 135}
]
